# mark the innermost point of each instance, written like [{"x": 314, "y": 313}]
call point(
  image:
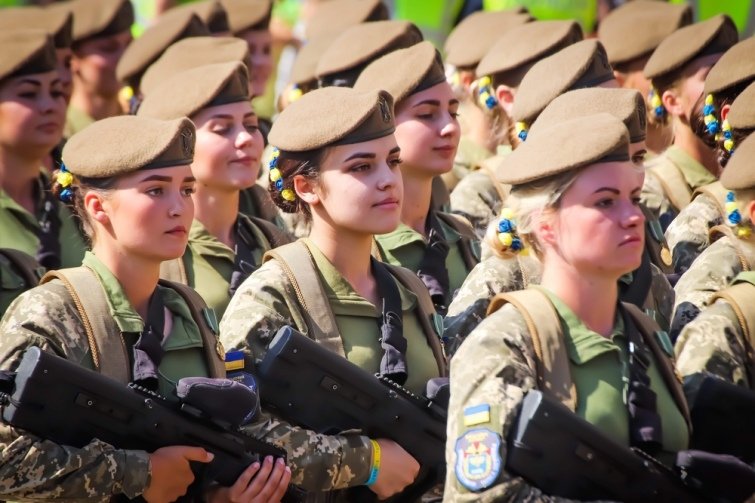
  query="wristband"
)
[{"x": 375, "y": 463}]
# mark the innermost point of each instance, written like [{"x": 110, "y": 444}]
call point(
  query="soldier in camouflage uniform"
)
[
  {"x": 478, "y": 196},
  {"x": 732, "y": 251},
  {"x": 676, "y": 70},
  {"x": 313, "y": 285},
  {"x": 726, "y": 86},
  {"x": 141, "y": 221},
  {"x": 496, "y": 275},
  {"x": 717, "y": 341},
  {"x": 495, "y": 367}
]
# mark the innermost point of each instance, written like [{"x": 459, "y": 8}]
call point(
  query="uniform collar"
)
[
  {"x": 9, "y": 204},
  {"x": 583, "y": 344},
  {"x": 405, "y": 235},
  {"x": 693, "y": 172},
  {"x": 207, "y": 245}
]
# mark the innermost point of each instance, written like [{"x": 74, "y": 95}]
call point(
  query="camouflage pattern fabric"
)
[
  {"x": 688, "y": 235},
  {"x": 476, "y": 198}
]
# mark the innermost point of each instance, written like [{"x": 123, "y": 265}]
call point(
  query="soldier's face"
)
[
  {"x": 94, "y": 61},
  {"x": 427, "y": 130},
  {"x": 148, "y": 215},
  {"x": 229, "y": 147},
  {"x": 260, "y": 59},
  {"x": 598, "y": 228},
  {"x": 32, "y": 112},
  {"x": 360, "y": 188}
]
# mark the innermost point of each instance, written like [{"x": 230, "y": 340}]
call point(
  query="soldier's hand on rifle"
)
[
  {"x": 260, "y": 483},
  {"x": 398, "y": 469},
  {"x": 171, "y": 472}
]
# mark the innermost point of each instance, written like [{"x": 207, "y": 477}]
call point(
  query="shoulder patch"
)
[
  {"x": 478, "y": 458},
  {"x": 477, "y": 414}
]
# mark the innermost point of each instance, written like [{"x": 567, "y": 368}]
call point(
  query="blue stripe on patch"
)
[{"x": 477, "y": 414}]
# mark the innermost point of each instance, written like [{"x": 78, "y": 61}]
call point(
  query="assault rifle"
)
[{"x": 322, "y": 391}]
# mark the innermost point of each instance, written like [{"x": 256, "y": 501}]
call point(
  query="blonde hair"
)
[{"x": 529, "y": 202}]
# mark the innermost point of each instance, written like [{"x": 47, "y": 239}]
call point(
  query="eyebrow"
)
[
  {"x": 160, "y": 178},
  {"x": 360, "y": 155},
  {"x": 30, "y": 81},
  {"x": 395, "y": 150},
  {"x": 615, "y": 191}
]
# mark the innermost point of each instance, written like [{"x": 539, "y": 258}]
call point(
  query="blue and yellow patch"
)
[
  {"x": 234, "y": 360},
  {"x": 477, "y": 414},
  {"x": 478, "y": 458}
]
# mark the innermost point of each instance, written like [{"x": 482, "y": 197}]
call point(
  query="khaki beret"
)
[
  {"x": 583, "y": 64},
  {"x": 524, "y": 45},
  {"x": 188, "y": 92},
  {"x": 736, "y": 66},
  {"x": 566, "y": 146},
  {"x": 359, "y": 45},
  {"x": 739, "y": 174},
  {"x": 304, "y": 68},
  {"x": 145, "y": 50},
  {"x": 627, "y": 105},
  {"x": 716, "y": 35},
  {"x": 471, "y": 39},
  {"x": 190, "y": 53},
  {"x": 404, "y": 72},
  {"x": 636, "y": 28},
  {"x": 337, "y": 15},
  {"x": 247, "y": 14},
  {"x": 58, "y": 22},
  {"x": 742, "y": 111},
  {"x": 100, "y": 18},
  {"x": 333, "y": 116},
  {"x": 26, "y": 52},
  {"x": 99, "y": 150},
  {"x": 211, "y": 12}
]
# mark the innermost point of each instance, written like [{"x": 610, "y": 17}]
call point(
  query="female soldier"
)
[
  {"x": 250, "y": 21},
  {"x": 677, "y": 71},
  {"x": 439, "y": 247},
  {"x": 225, "y": 246},
  {"x": 32, "y": 114},
  {"x": 499, "y": 273},
  {"x": 578, "y": 209},
  {"x": 718, "y": 340},
  {"x": 338, "y": 164},
  {"x": 687, "y": 235},
  {"x": 133, "y": 199}
]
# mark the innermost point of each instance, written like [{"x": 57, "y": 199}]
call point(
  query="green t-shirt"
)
[{"x": 599, "y": 368}]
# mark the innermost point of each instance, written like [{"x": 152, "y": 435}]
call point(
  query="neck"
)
[
  {"x": 685, "y": 139},
  {"x": 414, "y": 209},
  {"x": 94, "y": 105},
  {"x": 17, "y": 175},
  {"x": 349, "y": 253},
  {"x": 217, "y": 211},
  {"x": 138, "y": 277},
  {"x": 592, "y": 298},
  {"x": 658, "y": 137}
]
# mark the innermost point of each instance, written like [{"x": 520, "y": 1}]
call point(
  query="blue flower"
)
[
  {"x": 522, "y": 135},
  {"x": 708, "y": 109},
  {"x": 712, "y": 127},
  {"x": 730, "y": 197},
  {"x": 273, "y": 162},
  {"x": 66, "y": 195},
  {"x": 505, "y": 225},
  {"x": 279, "y": 184},
  {"x": 516, "y": 245},
  {"x": 659, "y": 111},
  {"x": 490, "y": 102},
  {"x": 735, "y": 217}
]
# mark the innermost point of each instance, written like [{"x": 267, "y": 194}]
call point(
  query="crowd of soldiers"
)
[{"x": 528, "y": 207}]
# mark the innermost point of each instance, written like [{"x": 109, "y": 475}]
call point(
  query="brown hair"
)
[
  {"x": 79, "y": 187},
  {"x": 291, "y": 164},
  {"x": 720, "y": 99}
]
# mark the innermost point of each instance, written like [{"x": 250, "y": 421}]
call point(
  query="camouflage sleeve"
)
[
  {"x": 491, "y": 373},
  {"x": 32, "y": 468},
  {"x": 663, "y": 298},
  {"x": 475, "y": 198},
  {"x": 687, "y": 235},
  {"x": 490, "y": 277},
  {"x": 713, "y": 270},
  {"x": 653, "y": 196},
  {"x": 714, "y": 343},
  {"x": 264, "y": 303}
]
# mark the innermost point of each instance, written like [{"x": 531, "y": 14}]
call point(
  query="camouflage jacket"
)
[
  {"x": 688, "y": 234},
  {"x": 714, "y": 343},
  {"x": 711, "y": 272}
]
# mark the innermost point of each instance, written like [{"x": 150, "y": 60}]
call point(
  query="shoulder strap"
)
[
  {"x": 720, "y": 231},
  {"x": 741, "y": 298},
  {"x": 26, "y": 265},
  {"x": 299, "y": 266},
  {"x": 551, "y": 360},
  {"x": 274, "y": 235},
  {"x": 468, "y": 236},
  {"x": 673, "y": 183},
  {"x": 648, "y": 328},
  {"x": 175, "y": 270},
  {"x": 425, "y": 311},
  {"x": 204, "y": 317},
  {"x": 717, "y": 192},
  {"x": 104, "y": 337}
]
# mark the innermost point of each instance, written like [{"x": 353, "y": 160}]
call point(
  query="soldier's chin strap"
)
[
  {"x": 393, "y": 364},
  {"x": 645, "y": 428}
]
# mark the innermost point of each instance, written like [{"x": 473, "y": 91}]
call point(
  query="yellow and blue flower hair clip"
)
[{"x": 276, "y": 177}]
